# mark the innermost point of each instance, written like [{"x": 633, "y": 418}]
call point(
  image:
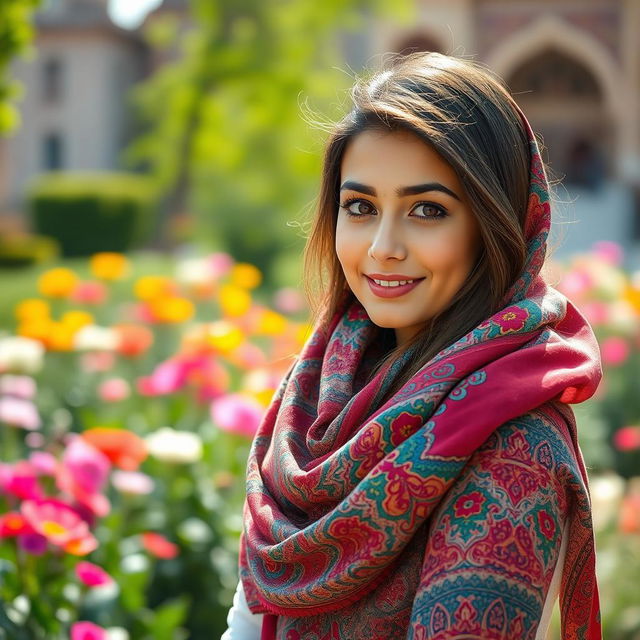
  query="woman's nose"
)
[{"x": 387, "y": 244}]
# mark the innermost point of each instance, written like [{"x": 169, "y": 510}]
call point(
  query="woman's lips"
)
[{"x": 392, "y": 292}]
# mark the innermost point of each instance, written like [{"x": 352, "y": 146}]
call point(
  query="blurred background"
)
[{"x": 159, "y": 162}]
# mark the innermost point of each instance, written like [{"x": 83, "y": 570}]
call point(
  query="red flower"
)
[
  {"x": 512, "y": 319},
  {"x": 159, "y": 546},
  {"x": 469, "y": 504},
  {"x": 547, "y": 525},
  {"x": 627, "y": 438}
]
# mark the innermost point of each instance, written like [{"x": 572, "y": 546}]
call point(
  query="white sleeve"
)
[{"x": 242, "y": 624}]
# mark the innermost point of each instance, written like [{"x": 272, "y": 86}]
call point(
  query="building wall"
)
[{"x": 89, "y": 115}]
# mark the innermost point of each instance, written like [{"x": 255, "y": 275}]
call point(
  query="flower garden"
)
[{"x": 127, "y": 405}]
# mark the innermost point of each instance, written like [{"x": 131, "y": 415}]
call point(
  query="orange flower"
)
[
  {"x": 245, "y": 275},
  {"x": 159, "y": 546},
  {"x": 36, "y": 329},
  {"x": 109, "y": 266},
  {"x": 32, "y": 308},
  {"x": 171, "y": 309},
  {"x": 151, "y": 287},
  {"x": 234, "y": 301},
  {"x": 57, "y": 283},
  {"x": 123, "y": 448},
  {"x": 134, "y": 339}
]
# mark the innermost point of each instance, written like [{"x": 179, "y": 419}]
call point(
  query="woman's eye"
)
[
  {"x": 428, "y": 210},
  {"x": 358, "y": 207}
]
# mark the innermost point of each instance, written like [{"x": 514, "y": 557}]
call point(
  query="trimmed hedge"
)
[{"x": 91, "y": 212}]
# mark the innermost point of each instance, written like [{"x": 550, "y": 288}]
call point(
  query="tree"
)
[
  {"x": 225, "y": 137},
  {"x": 16, "y": 32}
]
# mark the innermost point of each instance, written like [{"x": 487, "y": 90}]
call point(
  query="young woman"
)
[{"x": 418, "y": 474}]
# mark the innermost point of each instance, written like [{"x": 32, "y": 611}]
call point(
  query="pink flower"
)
[
  {"x": 576, "y": 283},
  {"x": 88, "y": 467},
  {"x": 609, "y": 252},
  {"x": 92, "y": 575},
  {"x": 511, "y": 319},
  {"x": 19, "y": 413},
  {"x": 132, "y": 482},
  {"x": 237, "y": 413},
  {"x": 167, "y": 377},
  {"x": 87, "y": 631},
  {"x": 89, "y": 292},
  {"x": 615, "y": 351},
  {"x": 44, "y": 463},
  {"x": 220, "y": 264},
  {"x": 19, "y": 386},
  {"x": 83, "y": 473},
  {"x": 248, "y": 356},
  {"x": 597, "y": 313},
  {"x": 288, "y": 300},
  {"x": 97, "y": 361},
  {"x": 114, "y": 390},
  {"x": 19, "y": 479},
  {"x": 55, "y": 520},
  {"x": 627, "y": 438}
]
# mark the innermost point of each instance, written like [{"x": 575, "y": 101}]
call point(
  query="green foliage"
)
[
  {"x": 226, "y": 138},
  {"x": 25, "y": 249},
  {"x": 15, "y": 35},
  {"x": 88, "y": 213}
]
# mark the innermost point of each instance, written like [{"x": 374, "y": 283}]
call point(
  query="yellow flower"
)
[
  {"x": 57, "y": 283},
  {"x": 271, "y": 323},
  {"x": 632, "y": 294},
  {"x": 76, "y": 319},
  {"x": 264, "y": 396},
  {"x": 109, "y": 265},
  {"x": 36, "y": 329},
  {"x": 303, "y": 332},
  {"x": 245, "y": 275},
  {"x": 32, "y": 308},
  {"x": 60, "y": 337},
  {"x": 224, "y": 336},
  {"x": 234, "y": 301},
  {"x": 172, "y": 309},
  {"x": 151, "y": 287}
]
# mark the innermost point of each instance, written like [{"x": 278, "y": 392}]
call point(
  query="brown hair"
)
[{"x": 469, "y": 118}]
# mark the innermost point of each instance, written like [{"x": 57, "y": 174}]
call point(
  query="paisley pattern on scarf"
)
[{"x": 436, "y": 513}]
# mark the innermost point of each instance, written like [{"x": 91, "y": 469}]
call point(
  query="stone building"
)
[{"x": 573, "y": 65}]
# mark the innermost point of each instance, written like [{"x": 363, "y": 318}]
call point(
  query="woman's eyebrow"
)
[{"x": 413, "y": 190}]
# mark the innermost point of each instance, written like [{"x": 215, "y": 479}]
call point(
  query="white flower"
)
[
  {"x": 606, "y": 493},
  {"x": 95, "y": 338},
  {"x": 170, "y": 445},
  {"x": 194, "y": 272},
  {"x": 21, "y": 355}
]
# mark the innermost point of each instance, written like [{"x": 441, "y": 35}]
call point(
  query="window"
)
[
  {"x": 52, "y": 80},
  {"x": 52, "y": 152}
]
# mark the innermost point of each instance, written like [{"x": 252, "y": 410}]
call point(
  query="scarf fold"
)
[{"x": 339, "y": 486}]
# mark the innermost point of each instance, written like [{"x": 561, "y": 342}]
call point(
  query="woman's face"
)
[{"x": 406, "y": 237}]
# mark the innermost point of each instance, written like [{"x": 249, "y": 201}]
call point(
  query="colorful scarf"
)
[{"x": 341, "y": 492}]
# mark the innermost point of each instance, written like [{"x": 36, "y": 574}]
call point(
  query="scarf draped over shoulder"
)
[{"x": 342, "y": 490}]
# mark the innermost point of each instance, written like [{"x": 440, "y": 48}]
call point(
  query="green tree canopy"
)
[
  {"x": 16, "y": 32},
  {"x": 225, "y": 134}
]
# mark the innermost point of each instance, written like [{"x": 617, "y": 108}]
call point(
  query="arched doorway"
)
[{"x": 565, "y": 104}]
